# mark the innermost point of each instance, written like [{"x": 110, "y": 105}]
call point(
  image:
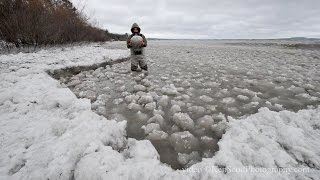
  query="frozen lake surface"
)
[{"x": 182, "y": 104}]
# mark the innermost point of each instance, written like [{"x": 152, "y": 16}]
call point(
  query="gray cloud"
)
[{"x": 209, "y": 18}]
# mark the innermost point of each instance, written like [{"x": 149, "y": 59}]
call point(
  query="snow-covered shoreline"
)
[{"x": 47, "y": 133}]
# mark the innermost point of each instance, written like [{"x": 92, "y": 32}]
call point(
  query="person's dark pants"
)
[{"x": 138, "y": 59}]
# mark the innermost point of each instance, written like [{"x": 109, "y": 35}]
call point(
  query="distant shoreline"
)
[{"x": 292, "y": 39}]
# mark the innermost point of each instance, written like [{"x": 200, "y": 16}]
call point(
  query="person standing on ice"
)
[{"x": 136, "y": 42}]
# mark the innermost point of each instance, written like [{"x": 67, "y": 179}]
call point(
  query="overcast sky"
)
[{"x": 217, "y": 19}]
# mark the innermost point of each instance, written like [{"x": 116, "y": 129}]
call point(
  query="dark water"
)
[{"x": 192, "y": 86}]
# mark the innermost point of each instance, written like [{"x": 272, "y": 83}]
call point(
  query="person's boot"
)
[
  {"x": 134, "y": 68},
  {"x": 145, "y": 68}
]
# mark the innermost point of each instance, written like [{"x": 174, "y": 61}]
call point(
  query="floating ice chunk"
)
[
  {"x": 256, "y": 99},
  {"x": 169, "y": 90},
  {"x": 242, "y": 97},
  {"x": 154, "y": 95},
  {"x": 188, "y": 160},
  {"x": 73, "y": 82},
  {"x": 233, "y": 110},
  {"x": 189, "y": 105},
  {"x": 158, "y": 111},
  {"x": 180, "y": 89},
  {"x": 197, "y": 109},
  {"x": 211, "y": 84},
  {"x": 207, "y": 153},
  {"x": 185, "y": 97},
  {"x": 141, "y": 150},
  {"x": 121, "y": 89},
  {"x": 118, "y": 117},
  {"x": 150, "y": 127},
  {"x": 205, "y": 122},
  {"x": 209, "y": 143},
  {"x": 100, "y": 75},
  {"x": 106, "y": 89},
  {"x": 279, "y": 88},
  {"x": 307, "y": 97},
  {"x": 279, "y": 107},
  {"x": 179, "y": 103},
  {"x": 211, "y": 108},
  {"x": 150, "y": 106},
  {"x": 296, "y": 89},
  {"x": 219, "y": 128},
  {"x": 183, "y": 121},
  {"x": 186, "y": 84},
  {"x": 177, "y": 80},
  {"x": 129, "y": 98},
  {"x": 101, "y": 99},
  {"x": 309, "y": 87},
  {"x": 244, "y": 91},
  {"x": 134, "y": 107},
  {"x": 206, "y": 98},
  {"x": 117, "y": 101},
  {"x": 141, "y": 93},
  {"x": 140, "y": 116},
  {"x": 139, "y": 87},
  {"x": 145, "y": 99},
  {"x": 174, "y": 109},
  {"x": 175, "y": 128},
  {"x": 163, "y": 101},
  {"x": 253, "y": 105},
  {"x": 146, "y": 82},
  {"x": 164, "y": 78},
  {"x": 274, "y": 100},
  {"x": 280, "y": 79},
  {"x": 219, "y": 117},
  {"x": 184, "y": 142},
  {"x": 120, "y": 82},
  {"x": 88, "y": 94},
  {"x": 101, "y": 110},
  {"x": 157, "y": 118},
  {"x": 228, "y": 100},
  {"x": 157, "y": 135},
  {"x": 124, "y": 94}
]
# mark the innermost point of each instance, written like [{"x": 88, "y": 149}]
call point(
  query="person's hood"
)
[{"x": 135, "y": 25}]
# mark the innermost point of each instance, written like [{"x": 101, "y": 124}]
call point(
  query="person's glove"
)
[{"x": 142, "y": 44}]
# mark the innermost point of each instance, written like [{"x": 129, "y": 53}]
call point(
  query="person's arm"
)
[
  {"x": 145, "y": 43},
  {"x": 128, "y": 42}
]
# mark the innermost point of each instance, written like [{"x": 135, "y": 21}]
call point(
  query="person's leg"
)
[
  {"x": 134, "y": 62},
  {"x": 143, "y": 63}
]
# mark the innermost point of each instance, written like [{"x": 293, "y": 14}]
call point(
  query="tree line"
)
[{"x": 47, "y": 22}]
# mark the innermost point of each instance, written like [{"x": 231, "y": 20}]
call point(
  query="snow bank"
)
[
  {"x": 45, "y": 129},
  {"x": 47, "y": 133}
]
